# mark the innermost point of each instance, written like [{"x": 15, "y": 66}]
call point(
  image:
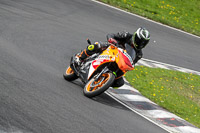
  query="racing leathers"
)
[{"x": 122, "y": 38}]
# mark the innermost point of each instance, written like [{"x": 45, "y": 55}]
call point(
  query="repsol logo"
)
[{"x": 103, "y": 57}]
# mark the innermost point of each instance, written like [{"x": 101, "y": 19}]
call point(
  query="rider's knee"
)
[{"x": 118, "y": 82}]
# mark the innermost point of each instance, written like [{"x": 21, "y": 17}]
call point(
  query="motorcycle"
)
[{"x": 99, "y": 70}]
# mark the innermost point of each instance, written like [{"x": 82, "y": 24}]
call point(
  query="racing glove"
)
[{"x": 113, "y": 41}]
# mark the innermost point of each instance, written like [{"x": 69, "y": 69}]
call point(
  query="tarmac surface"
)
[{"x": 37, "y": 39}]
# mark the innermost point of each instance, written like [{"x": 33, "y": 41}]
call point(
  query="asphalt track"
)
[{"x": 37, "y": 39}]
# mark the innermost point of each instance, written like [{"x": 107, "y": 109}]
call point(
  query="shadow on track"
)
[{"x": 103, "y": 98}]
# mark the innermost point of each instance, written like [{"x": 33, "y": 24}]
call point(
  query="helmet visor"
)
[{"x": 140, "y": 43}]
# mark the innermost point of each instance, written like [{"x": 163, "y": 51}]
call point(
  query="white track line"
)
[
  {"x": 144, "y": 18},
  {"x": 168, "y": 65},
  {"x": 161, "y": 66},
  {"x": 144, "y": 63}
]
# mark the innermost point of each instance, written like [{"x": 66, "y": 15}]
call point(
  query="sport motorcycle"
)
[{"x": 99, "y": 71}]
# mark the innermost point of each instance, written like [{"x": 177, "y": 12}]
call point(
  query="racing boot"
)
[
  {"x": 81, "y": 57},
  {"x": 77, "y": 61},
  {"x": 90, "y": 50}
]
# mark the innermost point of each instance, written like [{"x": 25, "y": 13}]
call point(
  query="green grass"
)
[
  {"x": 182, "y": 14},
  {"x": 175, "y": 91}
]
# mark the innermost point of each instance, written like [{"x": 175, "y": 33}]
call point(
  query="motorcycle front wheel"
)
[
  {"x": 69, "y": 74},
  {"x": 95, "y": 87}
]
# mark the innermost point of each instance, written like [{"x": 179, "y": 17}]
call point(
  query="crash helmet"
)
[{"x": 140, "y": 38}]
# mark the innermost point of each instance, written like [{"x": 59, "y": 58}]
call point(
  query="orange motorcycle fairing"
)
[{"x": 112, "y": 54}]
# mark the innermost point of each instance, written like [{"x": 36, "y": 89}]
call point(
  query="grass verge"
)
[
  {"x": 181, "y": 14},
  {"x": 175, "y": 91}
]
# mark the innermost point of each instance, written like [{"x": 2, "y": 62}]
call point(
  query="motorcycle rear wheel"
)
[
  {"x": 69, "y": 74},
  {"x": 95, "y": 88}
]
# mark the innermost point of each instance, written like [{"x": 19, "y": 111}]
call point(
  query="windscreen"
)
[{"x": 130, "y": 50}]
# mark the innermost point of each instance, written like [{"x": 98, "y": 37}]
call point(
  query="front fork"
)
[
  {"x": 104, "y": 71},
  {"x": 99, "y": 75}
]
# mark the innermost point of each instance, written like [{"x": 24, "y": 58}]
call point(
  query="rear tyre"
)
[
  {"x": 69, "y": 74},
  {"x": 95, "y": 88}
]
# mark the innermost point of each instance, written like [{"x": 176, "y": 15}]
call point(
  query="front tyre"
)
[
  {"x": 69, "y": 74},
  {"x": 95, "y": 88}
]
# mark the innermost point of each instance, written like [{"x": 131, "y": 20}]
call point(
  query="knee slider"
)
[{"x": 91, "y": 47}]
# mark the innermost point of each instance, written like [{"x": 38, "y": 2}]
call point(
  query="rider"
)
[{"x": 137, "y": 41}]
